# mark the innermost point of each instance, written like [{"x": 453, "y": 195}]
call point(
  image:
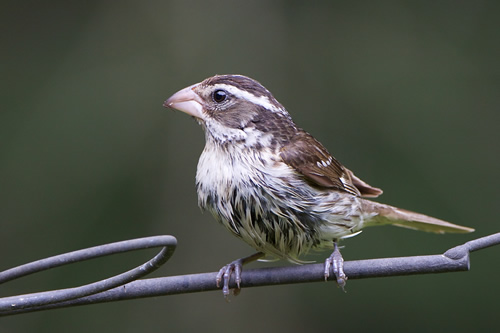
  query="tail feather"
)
[{"x": 385, "y": 214}]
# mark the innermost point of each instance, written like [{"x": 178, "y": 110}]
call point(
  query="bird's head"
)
[{"x": 231, "y": 107}]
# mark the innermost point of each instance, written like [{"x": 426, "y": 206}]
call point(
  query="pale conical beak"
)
[{"x": 186, "y": 100}]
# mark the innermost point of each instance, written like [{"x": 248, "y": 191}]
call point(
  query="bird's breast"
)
[
  {"x": 264, "y": 202},
  {"x": 222, "y": 171}
]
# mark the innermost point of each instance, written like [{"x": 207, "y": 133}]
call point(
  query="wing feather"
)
[{"x": 309, "y": 158}]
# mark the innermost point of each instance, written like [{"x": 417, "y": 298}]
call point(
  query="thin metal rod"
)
[
  {"x": 270, "y": 276},
  {"x": 14, "y": 303},
  {"x": 455, "y": 259},
  {"x": 473, "y": 245}
]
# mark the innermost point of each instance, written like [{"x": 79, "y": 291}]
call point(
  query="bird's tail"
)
[{"x": 385, "y": 214}]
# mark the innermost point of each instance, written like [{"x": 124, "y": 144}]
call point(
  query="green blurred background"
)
[{"x": 406, "y": 94}]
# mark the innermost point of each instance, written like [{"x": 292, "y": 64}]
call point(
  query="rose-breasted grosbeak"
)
[{"x": 272, "y": 184}]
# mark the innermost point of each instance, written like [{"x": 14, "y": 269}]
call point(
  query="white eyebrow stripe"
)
[{"x": 261, "y": 100}]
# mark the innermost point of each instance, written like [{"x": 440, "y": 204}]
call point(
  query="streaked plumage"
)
[{"x": 271, "y": 183}]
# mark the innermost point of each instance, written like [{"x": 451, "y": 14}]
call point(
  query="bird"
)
[{"x": 273, "y": 185}]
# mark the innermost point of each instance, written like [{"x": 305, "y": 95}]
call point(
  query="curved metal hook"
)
[{"x": 15, "y": 303}]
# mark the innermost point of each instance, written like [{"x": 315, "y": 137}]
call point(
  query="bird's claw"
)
[
  {"x": 336, "y": 262},
  {"x": 225, "y": 274}
]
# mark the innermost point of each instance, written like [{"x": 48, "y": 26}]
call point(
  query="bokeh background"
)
[{"x": 406, "y": 94}]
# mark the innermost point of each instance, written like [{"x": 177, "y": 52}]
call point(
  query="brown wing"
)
[
  {"x": 306, "y": 155},
  {"x": 365, "y": 189}
]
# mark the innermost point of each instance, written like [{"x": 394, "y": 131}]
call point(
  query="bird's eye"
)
[{"x": 219, "y": 96}]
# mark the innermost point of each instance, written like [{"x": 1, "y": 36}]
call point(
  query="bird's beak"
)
[{"x": 186, "y": 100}]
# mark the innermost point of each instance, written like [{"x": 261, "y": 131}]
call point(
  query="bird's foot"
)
[
  {"x": 336, "y": 262},
  {"x": 234, "y": 268},
  {"x": 224, "y": 276}
]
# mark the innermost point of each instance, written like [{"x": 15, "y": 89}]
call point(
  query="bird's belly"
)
[{"x": 272, "y": 211}]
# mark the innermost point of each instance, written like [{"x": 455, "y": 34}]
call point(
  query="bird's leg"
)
[
  {"x": 234, "y": 267},
  {"x": 336, "y": 262}
]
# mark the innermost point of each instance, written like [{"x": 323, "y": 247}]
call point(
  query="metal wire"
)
[
  {"x": 455, "y": 259},
  {"x": 10, "y": 305}
]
